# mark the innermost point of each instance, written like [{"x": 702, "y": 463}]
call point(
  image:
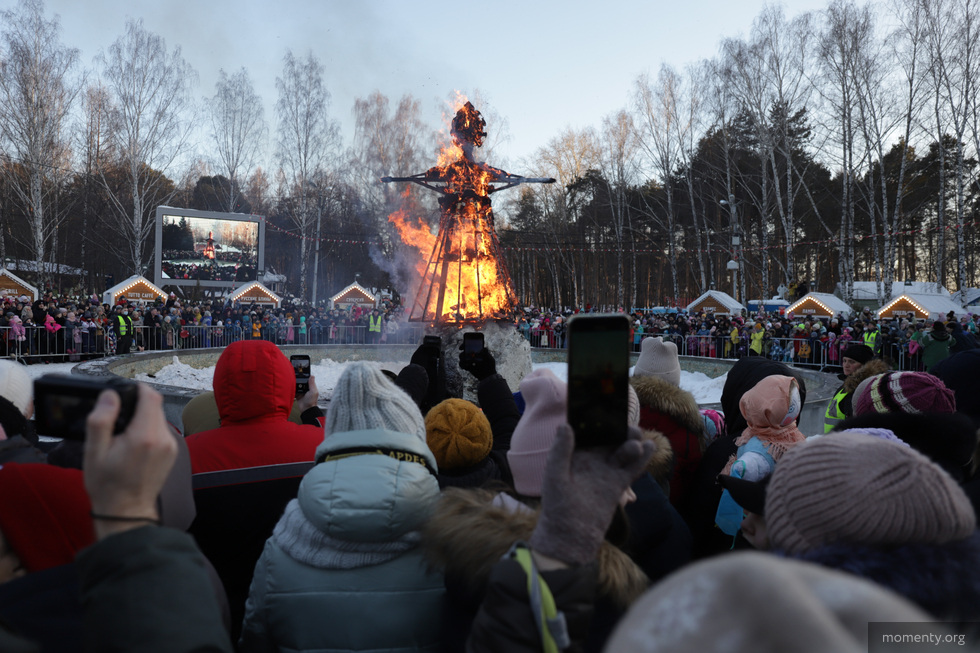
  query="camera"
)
[{"x": 63, "y": 403}]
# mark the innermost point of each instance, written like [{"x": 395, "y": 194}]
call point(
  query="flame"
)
[{"x": 463, "y": 278}]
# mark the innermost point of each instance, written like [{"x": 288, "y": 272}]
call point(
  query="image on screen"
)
[{"x": 209, "y": 249}]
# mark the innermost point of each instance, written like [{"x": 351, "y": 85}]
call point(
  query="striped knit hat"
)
[
  {"x": 865, "y": 490},
  {"x": 903, "y": 392}
]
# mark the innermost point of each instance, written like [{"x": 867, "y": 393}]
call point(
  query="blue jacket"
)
[{"x": 342, "y": 571}]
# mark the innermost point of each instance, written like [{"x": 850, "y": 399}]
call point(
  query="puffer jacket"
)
[
  {"x": 254, "y": 387},
  {"x": 342, "y": 570}
]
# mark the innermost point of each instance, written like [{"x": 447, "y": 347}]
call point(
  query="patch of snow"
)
[
  {"x": 326, "y": 373},
  {"x": 40, "y": 369}
]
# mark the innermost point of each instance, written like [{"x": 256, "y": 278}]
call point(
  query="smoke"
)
[{"x": 401, "y": 269}]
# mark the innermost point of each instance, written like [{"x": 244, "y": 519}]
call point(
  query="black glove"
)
[{"x": 481, "y": 365}]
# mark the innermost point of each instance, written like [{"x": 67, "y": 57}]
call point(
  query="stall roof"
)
[
  {"x": 716, "y": 301},
  {"x": 152, "y": 290},
  {"x": 19, "y": 285},
  {"x": 831, "y": 305},
  {"x": 936, "y": 306}
]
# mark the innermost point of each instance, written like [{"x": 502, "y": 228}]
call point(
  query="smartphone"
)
[
  {"x": 473, "y": 344},
  {"x": 598, "y": 379},
  {"x": 301, "y": 367},
  {"x": 432, "y": 341},
  {"x": 62, "y": 403}
]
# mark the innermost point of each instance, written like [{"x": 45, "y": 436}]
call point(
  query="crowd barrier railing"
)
[{"x": 75, "y": 343}]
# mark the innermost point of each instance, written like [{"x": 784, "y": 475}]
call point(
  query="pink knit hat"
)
[
  {"x": 903, "y": 392},
  {"x": 546, "y": 401}
]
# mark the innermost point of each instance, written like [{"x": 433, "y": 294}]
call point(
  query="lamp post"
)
[{"x": 734, "y": 265}]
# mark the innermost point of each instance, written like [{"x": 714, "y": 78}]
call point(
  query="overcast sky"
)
[{"x": 541, "y": 65}]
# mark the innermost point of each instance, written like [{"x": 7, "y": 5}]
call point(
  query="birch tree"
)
[
  {"x": 238, "y": 130},
  {"x": 306, "y": 146},
  {"x": 954, "y": 60},
  {"x": 150, "y": 90},
  {"x": 38, "y": 87},
  {"x": 656, "y": 108}
]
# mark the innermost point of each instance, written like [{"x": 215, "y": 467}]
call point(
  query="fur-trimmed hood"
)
[
  {"x": 663, "y": 397},
  {"x": 873, "y": 367},
  {"x": 662, "y": 462},
  {"x": 469, "y": 533},
  {"x": 943, "y": 579}
]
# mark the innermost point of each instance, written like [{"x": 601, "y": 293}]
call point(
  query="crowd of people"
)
[
  {"x": 76, "y": 328},
  {"x": 405, "y": 519},
  {"x": 908, "y": 343}
]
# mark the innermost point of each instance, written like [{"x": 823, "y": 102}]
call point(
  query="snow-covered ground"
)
[{"x": 705, "y": 390}]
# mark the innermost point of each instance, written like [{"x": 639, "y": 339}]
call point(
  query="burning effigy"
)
[{"x": 464, "y": 280}]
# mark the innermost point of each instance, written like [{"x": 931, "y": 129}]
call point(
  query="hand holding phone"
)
[
  {"x": 301, "y": 367},
  {"x": 598, "y": 379},
  {"x": 475, "y": 358}
]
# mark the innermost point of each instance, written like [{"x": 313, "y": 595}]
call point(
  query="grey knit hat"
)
[
  {"x": 658, "y": 358},
  {"x": 367, "y": 399},
  {"x": 860, "y": 489}
]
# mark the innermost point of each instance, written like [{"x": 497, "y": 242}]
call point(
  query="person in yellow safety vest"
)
[
  {"x": 374, "y": 327},
  {"x": 124, "y": 331},
  {"x": 859, "y": 363},
  {"x": 872, "y": 338}
]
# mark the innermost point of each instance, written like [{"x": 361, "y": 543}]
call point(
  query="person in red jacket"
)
[
  {"x": 666, "y": 408},
  {"x": 254, "y": 388}
]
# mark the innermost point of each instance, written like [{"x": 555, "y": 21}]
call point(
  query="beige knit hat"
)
[
  {"x": 658, "y": 358},
  {"x": 860, "y": 489}
]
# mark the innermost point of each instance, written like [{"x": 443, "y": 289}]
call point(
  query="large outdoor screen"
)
[{"x": 207, "y": 248}]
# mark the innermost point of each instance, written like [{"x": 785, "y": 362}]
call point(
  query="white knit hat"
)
[
  {"x": 367, "y": 399},
  {"x": 16, "y": 385},
  {"x": 659, "y": 358}
]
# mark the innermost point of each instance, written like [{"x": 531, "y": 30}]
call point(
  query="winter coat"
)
[
  {"x": 504, "y": 622},
  {"x": 254, "y": 410},
  {"x": 702, "y": 504},
  {"x": 935, "y": 347},
  {"x": 342, "y": 570},
  {"x": 673, "y": 412},
  {"x": 472, "y": 529}
]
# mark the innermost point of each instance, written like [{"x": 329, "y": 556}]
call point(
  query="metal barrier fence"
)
[
  {"x": 68, "y": 344},
  {"x": 803, "y": 352},
  {"x": 36, "y": 344}
]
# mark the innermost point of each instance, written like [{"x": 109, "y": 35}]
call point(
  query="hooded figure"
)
[
  {"x": 254, "y": 388},
  {"x": 770, "y": 409},
  {"x": 342, "y": 570}
]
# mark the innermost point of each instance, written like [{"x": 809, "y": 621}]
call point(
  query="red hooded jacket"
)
[{"x": 254, "y": 387}]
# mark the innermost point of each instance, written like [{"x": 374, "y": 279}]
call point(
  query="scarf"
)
[{"x": 304, "y": 542}]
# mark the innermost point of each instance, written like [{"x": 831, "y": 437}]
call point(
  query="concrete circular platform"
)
[{"x": 820, "y": 385}]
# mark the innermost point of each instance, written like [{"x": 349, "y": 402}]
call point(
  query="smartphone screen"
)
[
  {"x": 472, "y": 344},
  {"x": 598, "y": 376},
  {"x": 301, "y": 367}
]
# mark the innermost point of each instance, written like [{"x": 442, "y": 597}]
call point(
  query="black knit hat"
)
[{"x": 860, "y": 353}]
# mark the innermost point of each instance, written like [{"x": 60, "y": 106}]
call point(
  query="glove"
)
[
  {"x": 581, "y": 490},
  {"x": 481, "y": 366}
]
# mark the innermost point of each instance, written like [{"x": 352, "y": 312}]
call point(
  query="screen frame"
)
[{"x": 158, "y": 278}]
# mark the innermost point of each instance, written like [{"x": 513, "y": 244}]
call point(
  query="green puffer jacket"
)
[{"x": 342, "y": 571}]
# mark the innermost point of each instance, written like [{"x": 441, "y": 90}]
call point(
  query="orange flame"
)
[{"x": 462, "y": 278}]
